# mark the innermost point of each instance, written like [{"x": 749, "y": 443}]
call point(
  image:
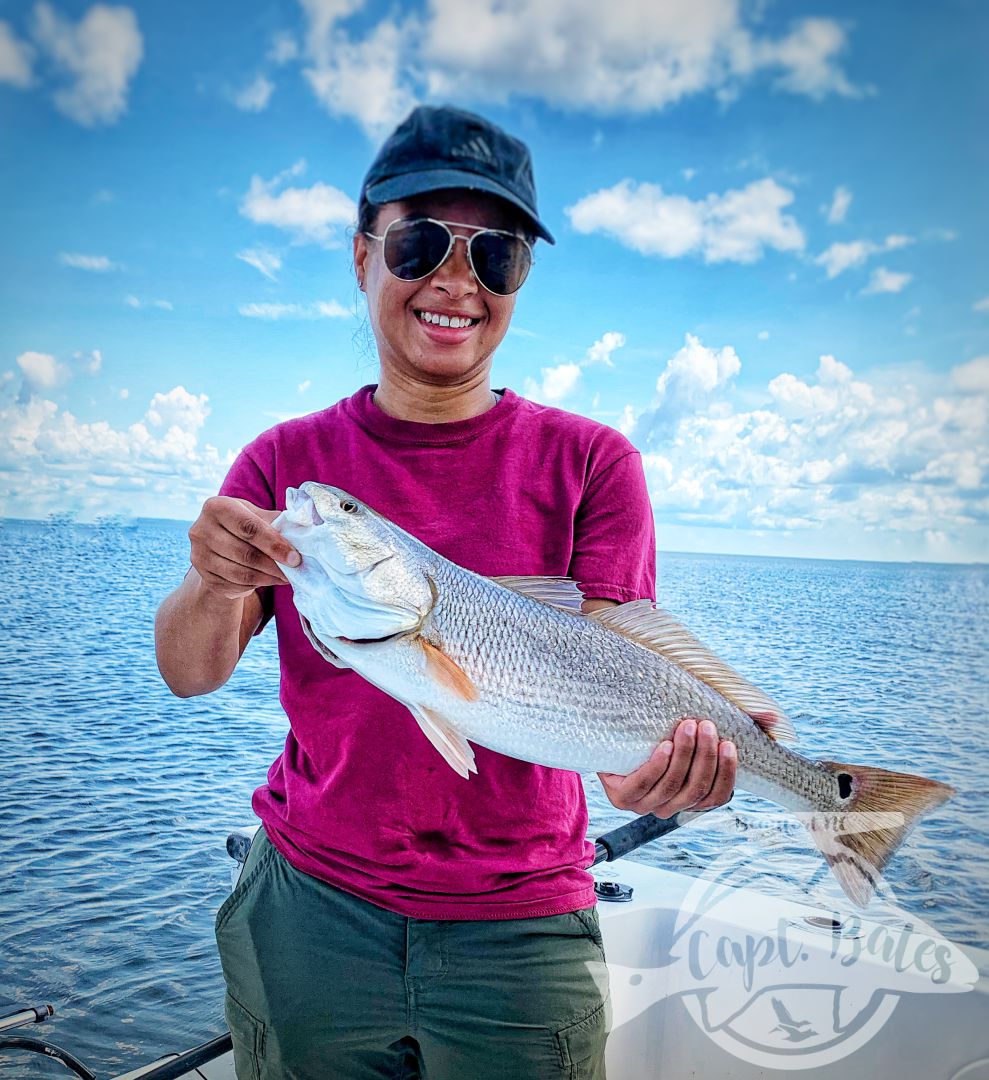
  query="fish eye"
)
[{"x": 348, "y": 507}]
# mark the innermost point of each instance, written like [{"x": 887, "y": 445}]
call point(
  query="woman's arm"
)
[{"x": 203, "y": 627}]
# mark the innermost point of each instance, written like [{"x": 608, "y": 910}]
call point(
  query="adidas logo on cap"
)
[{"x": 475, "y": 148}]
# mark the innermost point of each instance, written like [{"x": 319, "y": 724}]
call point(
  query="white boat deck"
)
[{"x": 712, "y": 981}]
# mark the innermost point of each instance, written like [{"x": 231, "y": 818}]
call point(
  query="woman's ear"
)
[{"x": 360, "y": 259}]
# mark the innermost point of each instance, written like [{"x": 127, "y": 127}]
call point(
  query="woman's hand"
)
[
  {"x": 234, "y": 547},
  {"x": 694, "y": 771}
]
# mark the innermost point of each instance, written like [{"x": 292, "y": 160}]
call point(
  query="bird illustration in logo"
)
[{"x": 795, "y": 1030}]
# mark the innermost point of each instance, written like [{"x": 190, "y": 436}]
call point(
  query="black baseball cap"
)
[{"x": 438, "y": 147}]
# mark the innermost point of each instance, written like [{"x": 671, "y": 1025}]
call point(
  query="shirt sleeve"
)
[
  {"x": 246, "y": 480},
  {"x": 614, "y": 551}
]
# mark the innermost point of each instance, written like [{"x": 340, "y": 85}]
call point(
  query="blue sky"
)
[{"x": 770, "y": 266}]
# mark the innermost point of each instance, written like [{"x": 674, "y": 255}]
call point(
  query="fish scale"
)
[{"x": 511, "y": 664}]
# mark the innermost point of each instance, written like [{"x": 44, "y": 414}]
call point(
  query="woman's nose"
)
[{"x": 454, "y": 275}]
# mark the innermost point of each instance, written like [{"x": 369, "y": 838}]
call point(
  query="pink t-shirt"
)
[{"x": 359, "y": 797}]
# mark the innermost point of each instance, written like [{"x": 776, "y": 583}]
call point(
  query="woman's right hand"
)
[{"x": 234, "y": 547}]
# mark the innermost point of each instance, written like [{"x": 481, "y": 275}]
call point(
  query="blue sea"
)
[{"x": 116, "y": 797}]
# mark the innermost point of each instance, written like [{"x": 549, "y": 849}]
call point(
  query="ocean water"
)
[{"x": 116, "y": 797}]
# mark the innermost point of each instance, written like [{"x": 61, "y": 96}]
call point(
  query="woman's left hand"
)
[{"x": 694, "y": 771}]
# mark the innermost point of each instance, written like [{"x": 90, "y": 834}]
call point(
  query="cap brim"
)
[{"x": 421, "y": 183}]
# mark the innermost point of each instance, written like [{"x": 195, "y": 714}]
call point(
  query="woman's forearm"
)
[{"x": 200, "y": 636}]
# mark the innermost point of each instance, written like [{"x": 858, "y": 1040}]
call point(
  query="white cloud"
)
[
  {"x": 981, "y": 305},
  {"x": 254, "y": 97},
  {"x": 841, "y": 257},
  {"x": 734, "y": 227},
  {"x": 312, "y": 215},
  {"x": 557, "y": 383},
  {"x": 691, "y": 376},
  {"x": 832, "y": 452},
  {"x": 124, "y": 393},
  {"x": 41, "y": 370},
  {"x": 137, "y": 303},
  {"x": 178, "y": 409},
  {"x": 886, "y": 281},
  {"x": 359, "y": 79},
  {"x": 763, "y": 335},
  {"x": 98, "y": 264},
  {"x": 627, "y": 421},
  {"x": 492, "y": 49},
  {"x": 264, "y": 261},
  {"x": 16, "y": 58},
  {"x": 600, "y": 352},
  {"x": 318, "y": 309},
  {"x": 99, "y": 54},
  {"x": 304, "y": 385},
  {"x": 50, "y": 460},
  {"x": 840, "y": 203},
  {"x": 973, "y": 376},
  {"x": 284, "y": 48},
  {"x": 91, "y": 362}
]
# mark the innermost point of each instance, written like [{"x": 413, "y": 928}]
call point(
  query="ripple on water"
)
[{"x": 118, "y": 797}]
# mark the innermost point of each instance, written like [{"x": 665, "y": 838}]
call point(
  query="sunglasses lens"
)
[
  {"x": 414, "y": 249},
  {"x": 501, "y": 262}
]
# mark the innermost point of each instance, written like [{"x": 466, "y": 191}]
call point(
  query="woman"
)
[{"x": 393, "y": 920}]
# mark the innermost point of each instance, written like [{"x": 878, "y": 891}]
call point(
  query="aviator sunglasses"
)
[{"x": 414, "y": 248}]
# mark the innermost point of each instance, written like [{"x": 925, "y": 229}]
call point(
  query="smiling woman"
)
[{"x": 393, "y": 920}]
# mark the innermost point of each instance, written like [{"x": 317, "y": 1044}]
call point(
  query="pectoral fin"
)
[
  {"x": 456, "y": 750},
  {"x": 448, "y": 673}
]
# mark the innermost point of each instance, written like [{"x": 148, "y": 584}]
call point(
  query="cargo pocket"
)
[
  {"x": 247, "y": 1033},
  {"x": 581, "y": 1045}
]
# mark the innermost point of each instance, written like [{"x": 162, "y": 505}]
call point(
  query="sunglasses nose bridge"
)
[{"x": 451, "y": 262}]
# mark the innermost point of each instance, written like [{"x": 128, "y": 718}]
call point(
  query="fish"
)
[{"x": 512, "y": 663}]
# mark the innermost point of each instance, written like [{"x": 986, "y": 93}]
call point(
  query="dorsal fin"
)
[
  {"x": 561, "y": 592},
  {"x": 658, "y": 630}
]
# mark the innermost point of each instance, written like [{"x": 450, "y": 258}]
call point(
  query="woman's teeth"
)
[{"x": 453, "y": 321}]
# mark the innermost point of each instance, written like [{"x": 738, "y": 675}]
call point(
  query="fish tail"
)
[{"x": 877, "y": 810}]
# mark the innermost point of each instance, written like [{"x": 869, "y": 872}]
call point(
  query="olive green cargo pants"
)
[{"x": 323, "y": 985}]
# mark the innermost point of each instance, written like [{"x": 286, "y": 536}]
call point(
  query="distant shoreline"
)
[{"x": 174, "y": 524}]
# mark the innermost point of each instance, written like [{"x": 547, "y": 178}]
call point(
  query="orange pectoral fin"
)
[{"x": 448, "y": 673}]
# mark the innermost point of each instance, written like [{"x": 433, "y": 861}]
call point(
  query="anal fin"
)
[{"x": 456, "y": 750}]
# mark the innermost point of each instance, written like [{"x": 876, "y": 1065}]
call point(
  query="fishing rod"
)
[{"x": 607, "y": 848}]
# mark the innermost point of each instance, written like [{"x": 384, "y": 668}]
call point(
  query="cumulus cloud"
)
[
  {"x": 886, "y": 281},
  {"x": 253, "y": 97},
  {"x": 312, "y": 215},
  {"x": 841, "y": 257},
  {"x": 98, "y": 57},
  {"x": 492, "y": 50},
  {"x": 318, "y": 309},
  {"x": 16, "y": 58},
  {"x": 283, "y": 48},
  {"x": 830, "y": 451},
  {"x": 840, "y": 202},
  {"x": 555, "y": 384},
  {"x": 561, "y": 381},
  {"x": 734, "y": 227},
  {"x": 495, "y": 48},
  {"x": 264, "y": 261},
  {"x": 362, "y": 79},
  {"x": 41, "y": 371},
  {"x": 973, "y": 376},
  {"x": 981, "y": 305},
  {"x": 98, "y": 264},
  {"x": 50, "y": 460}
]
